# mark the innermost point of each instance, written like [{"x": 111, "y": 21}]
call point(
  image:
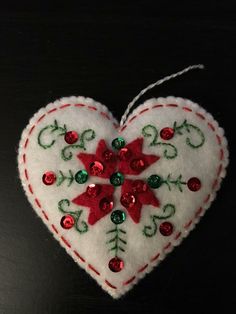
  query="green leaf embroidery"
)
[
  {"x": 117, "y": 241},
  {"x": 178, "y": 182},
  {"x": 61, "y": 178},
  {"x": 80, "y": 226}
]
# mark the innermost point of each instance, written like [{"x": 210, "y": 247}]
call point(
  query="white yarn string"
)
[{"x": 159, "y": 82}]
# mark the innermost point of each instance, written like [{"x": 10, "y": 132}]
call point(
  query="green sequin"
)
[
  {"x": 118, "y": 143},
  {"x": 117, "y": 179},
  {"x": 118, "y": 216},
  {"x": 81, "y": 176},
  {"x": 154, "y": 181}
]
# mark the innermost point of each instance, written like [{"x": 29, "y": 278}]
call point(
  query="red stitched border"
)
[
  {"x": 110, "y": 285},
  {"x": 94, "y": 269},
  {"x": 105, "y": 115}
]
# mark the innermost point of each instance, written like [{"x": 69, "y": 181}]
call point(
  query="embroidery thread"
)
[
  {"x": 117, "y": 240},
  {"x": 185, "y": 126},
  {"x": 87, "y": 135},
  {"x": 170, "y": 151},
  {"x": 150, "y": 230},
  {"x": 61, "y": 178},
  {"x": 177, "y": 183},
  {"x": 52, "y": 128},
  {"x": 80, "y": 226}
]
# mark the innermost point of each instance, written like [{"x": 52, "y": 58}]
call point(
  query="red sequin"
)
[
  {"x": 139, "y": 186},
  {"x": 137, "y": 164},
  {"x": 127, "y": 200},
  {"x": 106, "y": 205},
  {"x": 108, "y": 155},
  {"x": 116, "y": 264},
  {"x": 71, "y": 137},
  {"x": 49, "y": 178},
  {"x": 167, "y": 133},
  {"x": 194, "y": 184},
  {"x": 93, "y": 190},
  {"x": 124, "y": 153},
  {"x": 166, "y": 228},
  {"x": 67, "y": 222},
  {"x": 96, "y": 168}
]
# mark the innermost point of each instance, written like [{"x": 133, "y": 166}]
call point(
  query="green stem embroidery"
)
[
  {"x": 170, "y": 151},
  {"x": 178, "y": 182},
  {"x": 87, "y": 135},
  {"x": 151, "y": 230},
  {"x": 117, "y": 241},
  {"x": 185, "y": 126},
  {"x": 150, "y": 130},
  {"x": 61, "y": 178},
  {"x": 80, "y": 226},
  {"x": 51, "y": 130}
]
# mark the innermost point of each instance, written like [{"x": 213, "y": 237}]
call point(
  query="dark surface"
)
[{"x": 110, "y": 52}]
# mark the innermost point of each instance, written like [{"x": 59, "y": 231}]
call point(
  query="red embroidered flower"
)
[{"x": 129, "y": 160}]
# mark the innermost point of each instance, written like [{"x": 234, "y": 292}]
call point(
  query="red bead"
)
[
  {"x": 96, "y": 168},
  {"x": 167, "y": 133},
  {"x": 127, "y": 200},
  {"x": 108, "y": 155},
  {"x": 67, "y": 222},
  {"x": 116, "y": 264},
  {"x": 166, "y": 228},
  {"x": 93, "y": 190},
  {"x": 194, "y": 184},
  {"x": 137, "y": 164},
  {"x": 139, "y": 186},
  {"x": 71, "y": 137},
  {"x": 124, "y": 153},
  {"x": 106, "y": 204},
  {"x": 49, "y": 178}
]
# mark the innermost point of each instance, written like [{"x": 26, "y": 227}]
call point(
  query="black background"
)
[{"x": 110, "y": 52}]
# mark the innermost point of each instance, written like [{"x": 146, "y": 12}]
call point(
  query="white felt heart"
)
[{"x": 118, "y": 207}]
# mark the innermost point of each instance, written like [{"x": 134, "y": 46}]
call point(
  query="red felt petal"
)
[
  {"x": 109, "y": 166},
  {"x": 96, "y": 213},
  {"x": 148, "y": 198},
  {"x": 145, "y": 198},
  {"x": 136, "y": 154},
  {"x": 135, "y": 211}
]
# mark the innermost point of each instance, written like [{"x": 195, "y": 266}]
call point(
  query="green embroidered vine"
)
[
  {"x": 80, "y": 226},
  {"x": 54, "y": 130},
  {"x": 150, "y": 230},
  {"x": 178, "y": 182},
  {"x": 87, "y": 135},
  {"x": 117, "y": 241},
  {"x": 185, "y": 126},
  {"x": 170, "y": 151},
  {"x": 51, "y": 129}
]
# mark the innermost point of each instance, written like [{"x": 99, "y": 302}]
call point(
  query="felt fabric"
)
[{"x": 198, "y": 149}]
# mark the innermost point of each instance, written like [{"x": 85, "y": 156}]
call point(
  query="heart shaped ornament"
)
[{"x": 118, "y": 199}]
